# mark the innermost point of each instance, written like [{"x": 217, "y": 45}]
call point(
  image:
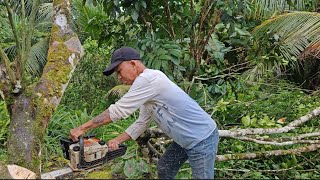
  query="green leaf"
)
[
  {"x": 156, "y": 64},
  {"x": 134, "y": 15},
  {"x": 136, "y": 6},
  {"x": 246, "y": 121},
  {"x": 165, "y": 57},
  {"x": 290, "y": 3},
  {"x": 143, "y": 4},
  {"x": 142, "y": 165},
  {"x": 176, "y": 53},
  {"x": 130, "y": 168},
  {"x": 116, "y": 168},
  {"x": 171, "y": 46},
  {"x": 175, "y": 61},
  {"x": 116, "y": 2}
]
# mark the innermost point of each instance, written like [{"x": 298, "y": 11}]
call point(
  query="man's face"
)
[{"x": 127, "y": 72}]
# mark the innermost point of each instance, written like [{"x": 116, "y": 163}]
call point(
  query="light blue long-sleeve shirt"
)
[{"x": 173, "y": 110}]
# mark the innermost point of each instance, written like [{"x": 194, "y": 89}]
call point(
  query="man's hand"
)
[
  {"x": 76, "y": 133},
  {"x": 113, "y": 144}
]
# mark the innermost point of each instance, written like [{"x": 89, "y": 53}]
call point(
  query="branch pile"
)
[{"x": 154, "y": 140}]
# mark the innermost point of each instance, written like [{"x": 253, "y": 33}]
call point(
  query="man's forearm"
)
[
  {"x": 101, "y": 119},
  {"x": 123, "y": 137}
]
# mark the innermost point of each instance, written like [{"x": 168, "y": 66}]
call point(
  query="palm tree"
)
[
  {"x": 35, "y": 99},
  {"x": 39, "y": 40},
  {"x": 285, "y": 36}
]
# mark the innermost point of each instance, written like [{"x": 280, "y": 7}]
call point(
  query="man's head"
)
[{"x": 126, "y": 62}]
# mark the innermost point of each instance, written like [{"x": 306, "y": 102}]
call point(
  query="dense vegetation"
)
[{"x": 250, "y": 64}]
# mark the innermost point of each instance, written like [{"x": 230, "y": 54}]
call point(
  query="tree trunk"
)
[{"x": 34, "y": 107}]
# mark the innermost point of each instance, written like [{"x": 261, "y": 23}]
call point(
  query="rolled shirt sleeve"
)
[
  {"x": 140, "y": 92},
  {"x": 140, "y": 125}
]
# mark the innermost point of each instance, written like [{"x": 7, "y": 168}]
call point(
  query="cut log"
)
[{"x": 18, "y": 172}]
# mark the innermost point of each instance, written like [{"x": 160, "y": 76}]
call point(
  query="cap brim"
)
[{"x": 110, "y": 69}]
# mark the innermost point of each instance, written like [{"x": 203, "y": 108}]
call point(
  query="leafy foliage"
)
[
  {"x": 88, "y": 86},
  {"x": 130, "y": 166},
  {"x": 294, "y": 32},
  {"x": 5, "y": 32},
  {"x": 39, "y": 45},
  {"x": 162, "y": 54},
  {"x": 264, "y": 9}
]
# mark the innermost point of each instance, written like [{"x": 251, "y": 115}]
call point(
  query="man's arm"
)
[
  {"x": 101, "y": 119},
  {"x": 134, "y": 131},
  {"x": 113, "y": 144}
]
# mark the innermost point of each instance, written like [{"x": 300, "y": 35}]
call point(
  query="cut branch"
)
[
  {"x": 240, "y": 156},
  {"x": 282, "y": 139},
  {"x": 274, "y": 143},
  {"x": 290, "y": 126}
]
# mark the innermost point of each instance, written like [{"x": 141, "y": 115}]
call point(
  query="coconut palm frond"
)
[
  {"x": 38, "y": 57},
  {"x": 44, "y": 17},
  {"x": 264, "y": 9},
  {"x": 11, "y": 52},
  {"x": 118, "y": 91},
  {"x": 85, "y": 14},
  {"x": 45, "y": 13},
  {"x": 296, "y": 31},
  {"x": 16, "y": 6},
  {"x": 44, "y": 26}
]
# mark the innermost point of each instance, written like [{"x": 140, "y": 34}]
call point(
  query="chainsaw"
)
[
  {"x": 84, "y": 155},
  {"x": 89, "y": 152}
]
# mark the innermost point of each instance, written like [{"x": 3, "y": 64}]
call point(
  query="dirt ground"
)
[{"x": 4, "y": 174}]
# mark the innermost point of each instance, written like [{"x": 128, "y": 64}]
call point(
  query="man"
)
[{"x": 194, "y": 132}]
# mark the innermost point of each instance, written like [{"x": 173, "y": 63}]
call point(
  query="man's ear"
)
[{"x": 133, "y": 62}]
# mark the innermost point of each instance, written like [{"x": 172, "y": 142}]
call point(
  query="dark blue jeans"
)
[{"x": 201, "y": 159}]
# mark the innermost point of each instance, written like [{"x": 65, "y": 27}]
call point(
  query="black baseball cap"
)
[{"x": 120, "y": 55}]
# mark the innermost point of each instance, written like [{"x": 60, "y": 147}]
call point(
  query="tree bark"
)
[{"x": 35, "y": 105}]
